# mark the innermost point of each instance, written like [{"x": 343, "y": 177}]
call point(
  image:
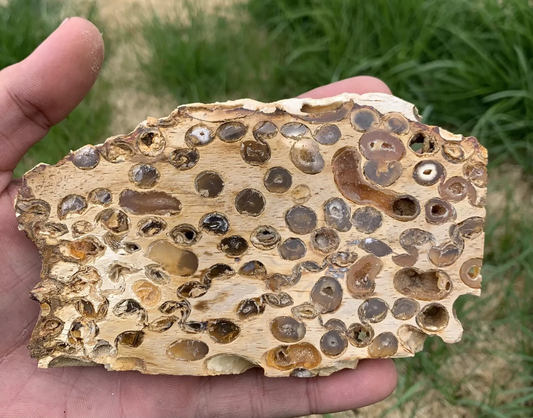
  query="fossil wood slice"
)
[{"x": 297, "y": 236}]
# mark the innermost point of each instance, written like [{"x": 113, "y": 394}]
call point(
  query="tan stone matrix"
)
[{"x": 298, "y": 236}]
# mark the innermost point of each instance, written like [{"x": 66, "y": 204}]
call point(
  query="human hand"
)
[{"x": 34, "y": 95}]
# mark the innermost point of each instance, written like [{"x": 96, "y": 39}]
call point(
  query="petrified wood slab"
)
[{"x": 298, "y": 236}]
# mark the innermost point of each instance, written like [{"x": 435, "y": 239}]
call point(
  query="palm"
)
[{"x": 34, "y": 95}]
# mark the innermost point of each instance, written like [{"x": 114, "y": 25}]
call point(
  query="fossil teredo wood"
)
[{"x": 298, "y": 236}]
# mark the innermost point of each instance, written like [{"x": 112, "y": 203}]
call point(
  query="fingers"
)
[
  {"x": 359, "y": 85},
  {"x": 44, "y": 88},
  {"x": 252, "y": 394}
]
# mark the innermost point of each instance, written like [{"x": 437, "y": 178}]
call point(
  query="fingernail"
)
[{"x": 64, "y": 21}]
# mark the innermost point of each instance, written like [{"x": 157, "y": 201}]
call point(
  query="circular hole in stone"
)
[
  {"x": 367, "y": 219},
  {"x": 328, "y": 134},
  {"x": 433, "y": 318},
  {"x": 360, "y": 335},
  {"x": 301, "y": 194},
  {"x": 148, "y": 227},
  {"x": 223, "y": 331},
  {"x": 264, "y": 131},
  {"x": 71, "y": 205},
  {"x": 439, "y": 211},
  {"x": 278, "y": 180},
  {"x": 86, "y": 157},
  {"x": 156, "y": 274},
  {"x": 250, "y": 202},
  {"x": 406, "y": 208},
  {"x": 184, "y": 158},
  {"x": 337, "y": 214},
  {"x": 255, "y": 153},
  {"x": 209, "y": 184},
  {"x": 301, "y": 220},
  {"x": 287, "y": 329},
  {"x": 231, "y": 131},
  {"x": 428, "y": 173},
  {"x": 100, "y": 196},
  {"x": 471, "y": 272},
  {"x": 151, "y": 143},
  {"x": 333, "y": 343},
  {"x": 292, "y": 249},
  {"x": 215, "y": 223},
  {"x": 373, "y": 310},
  {"x": 198, "y": 136},
  {"x": 265, "y": 237},
  {"x": 184, "y": 234},
  {"x": 187, "y": 350},
  {"x": 131, "y": 339},
  {"x": 325, "y": 240},
  {"x": 253, "y": 268},
  {"x": 250, "y": 308},
  {"x": 364, "y": 119},
  {"x": 296, "y": 356},
  {"x": 234, "y": 245},
  {"x": 384, "y": 345},
  {"x": 327, "y": 293},
  {"x": 423, "y": 143},
  {"x": 144, "y": 176},
  {"x": 453, "y": 152},
  {"x": 114, "y": 220},
  {"x": 218, "y": 271},
  {"x": 427, "y": 285}
]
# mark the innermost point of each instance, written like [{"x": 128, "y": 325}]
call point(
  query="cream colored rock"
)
[{"x": 297, "y": 236}]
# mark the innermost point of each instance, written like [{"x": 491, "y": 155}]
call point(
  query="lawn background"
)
[{"x": 467, "y": 65}]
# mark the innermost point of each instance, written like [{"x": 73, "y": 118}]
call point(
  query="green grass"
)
[{"x": 24, "y": 24}]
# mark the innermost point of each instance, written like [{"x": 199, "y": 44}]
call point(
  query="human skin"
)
[{"x": 36, "y": 94}]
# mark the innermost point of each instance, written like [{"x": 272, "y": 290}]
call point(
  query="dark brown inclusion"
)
[
  {"x": 327, "y": 293},
  {"x": 265, "y": 237},
  {"x": 255, "y": 153},
  {"x": 405, "y": 308},
  {"x": 373, "y": 310},
  {"x": 231, "y": 131},
  {"x": 337, "y": 214},
  {"x": 184, "y": 158},
  {"x": 153, "y": 202},
  {"x": 328, "y": 134},
  {"x": 333, "y": 343},
  {"x": 215, "y": 223},
  {"x": 367, "y": 219},
  {"x": 292, "y": 249},
  {"x": 234, "y": 245},
  {"x": 264, "y": 131},
  {"x": 301, "y": 219},
  {"x": 184, "y": 234},
  {"x": 354, "y": 187},
  {"x": 360, "y": 279},
  {"x": 439, "y": 211},
  {"x": 278, "y": 180},
  {"x": 144, "y": 176},
  {"x": 250, "y": 202},
  {"x": 209, "y": 184},
  {"x": 325, "y": 240},
  {"x": 223, "y": 331}
]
